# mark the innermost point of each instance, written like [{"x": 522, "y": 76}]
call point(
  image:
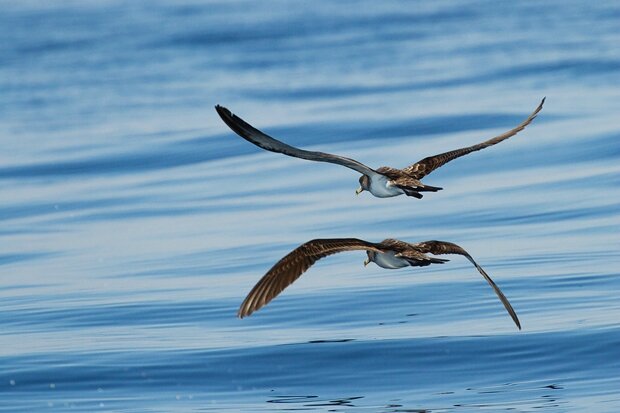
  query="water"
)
[{"x": 134, "y": 221}]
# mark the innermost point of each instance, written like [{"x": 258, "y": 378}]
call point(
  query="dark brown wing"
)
[
  {"x": 427, "y": 165},
  {"x": 295, "y": 263},
  {"x": 260, "y": 139},
  {"x": 442, "y": 247}
]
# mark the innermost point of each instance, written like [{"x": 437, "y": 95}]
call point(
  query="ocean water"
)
[{"x": 134, "y": 222}]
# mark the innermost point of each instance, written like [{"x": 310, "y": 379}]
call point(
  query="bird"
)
[
  {"x": 389, "y": 253},
  {"x": 383, "y": 182}
]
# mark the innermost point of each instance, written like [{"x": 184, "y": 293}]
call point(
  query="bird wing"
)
[
  {"x": 258, "y": 138},
  {"x": 295, "y": 263},
  {"x": 427, "y": 165},
  {"x": 442, "y": 247}
]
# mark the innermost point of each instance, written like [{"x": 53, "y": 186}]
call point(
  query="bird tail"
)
[
  {"x": 428, "y": 188},
  {"x": 426, "y": 261}
]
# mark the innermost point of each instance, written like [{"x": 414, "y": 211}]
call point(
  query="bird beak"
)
[
  {"x": 367, "y": 262},
  {"x": 359, "y": 190}
]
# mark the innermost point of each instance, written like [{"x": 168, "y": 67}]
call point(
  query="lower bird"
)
[
  {"x": 383, "y": 182},
  {"x": 389, "y": 253}
]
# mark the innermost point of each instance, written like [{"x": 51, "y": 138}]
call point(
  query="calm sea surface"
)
[{"x": 133, "y": 222}]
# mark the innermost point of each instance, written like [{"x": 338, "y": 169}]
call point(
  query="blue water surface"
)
[{"x": 134, "y": 222}]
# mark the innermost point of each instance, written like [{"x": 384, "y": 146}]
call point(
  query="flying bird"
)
[
  {"x": 383, "y": 182},
  {"x": 389, "y": 253}
]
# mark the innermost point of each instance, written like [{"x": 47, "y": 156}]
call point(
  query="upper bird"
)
[
  {"x": 383, "y": 182},
  {"x": 389, "y": 253}
]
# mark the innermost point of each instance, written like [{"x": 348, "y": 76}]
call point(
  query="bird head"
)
[
  {"x": 364, "y": 184},
  {"x": 370, "y": 258}
]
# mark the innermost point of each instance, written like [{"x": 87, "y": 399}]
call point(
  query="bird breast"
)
[
  {"x": 381, "y": 187},
  {"x": 389, "y": 260}
]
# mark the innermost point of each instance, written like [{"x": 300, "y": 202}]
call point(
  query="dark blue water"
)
[{"x": 134, "y": 222}]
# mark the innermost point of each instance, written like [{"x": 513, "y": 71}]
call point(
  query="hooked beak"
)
[
  {"x": 359, "y": 190},
  {"x": 367, "y": 262}
]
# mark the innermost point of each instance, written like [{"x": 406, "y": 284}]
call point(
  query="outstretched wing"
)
[
  {"x": 427, "y": 165},
  {"x": 295, "y": 263},
  {"x": 442, "y": 247},
  {"x": 258, "y": 138}
]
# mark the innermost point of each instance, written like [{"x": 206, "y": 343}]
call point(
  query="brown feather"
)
[
  {"x": 407, "y": 179},
  {"x": 442, "y": 247},
  {"x": 427, "y": 165},
  {"x": 295, "y": 263}
]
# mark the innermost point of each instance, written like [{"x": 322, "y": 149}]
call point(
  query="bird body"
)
[
  {"x": 382, "y": 187},
  {"x": 384, "y": 182},
  {"x": 389, "y": 253},
  {"x": 399, "y": 254},
  {"x": 389, "y": 260}
]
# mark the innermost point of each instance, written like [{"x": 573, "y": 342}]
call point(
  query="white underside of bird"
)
[
  {"x": 389, "y": 260},
  {"x": 381, "y": 187}
]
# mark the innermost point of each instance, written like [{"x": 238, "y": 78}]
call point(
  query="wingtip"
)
[
  {"x": 516, "y": 320},
  {"x": 224, "y": 112},
  {"x": 537, "y": 110},
  {"x": 244, "y": 312},
  {"x": 513, "y": 314}
]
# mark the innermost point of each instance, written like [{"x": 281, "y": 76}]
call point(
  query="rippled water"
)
[{"x": 134, "y": 221}]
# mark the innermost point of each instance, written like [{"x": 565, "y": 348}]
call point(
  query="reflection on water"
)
[{"x": 134, "y": 222}]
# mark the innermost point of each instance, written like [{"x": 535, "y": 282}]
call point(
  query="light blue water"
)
[{"x": 133, "y": 221}]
